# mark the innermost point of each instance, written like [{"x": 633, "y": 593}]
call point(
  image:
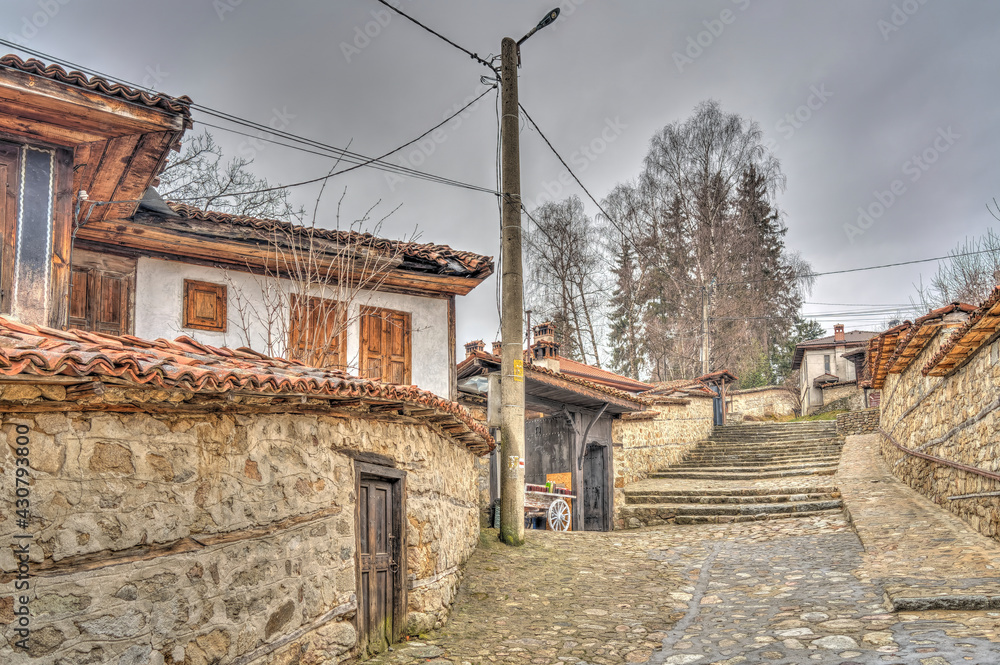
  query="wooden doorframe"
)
[{"x": 397, "y": 478}]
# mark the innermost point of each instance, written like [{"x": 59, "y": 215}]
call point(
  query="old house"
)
[
  {"x": 589, "y": 433},
  {"x": 825, "y": 376},
  {"x": 938, "y": 413},
  {"x": 188, "y": 502}
]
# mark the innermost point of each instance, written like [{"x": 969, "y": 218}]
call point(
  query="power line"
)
[
  {"x": 437, "y": 34},
  {"x": 365, "y": 163},
  {"x": 341, "y": 153}
]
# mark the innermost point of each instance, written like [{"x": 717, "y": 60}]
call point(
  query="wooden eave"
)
[
  {"x": 913, "y": 346},
  {"x": 961, "y": 352},
  {"x": 880, "y": 368},
  {"x": 193, "y": 241},
  {"x": 118, "y": 146},
  {"x": 554, "y": 389}
]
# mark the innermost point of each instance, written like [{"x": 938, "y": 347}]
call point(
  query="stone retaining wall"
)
[
  {"x": 955, "y": 418},
  {"x": 841, "y": 398},
  {"x": 858, "y": 422},
  {"x": 654, "y": 440},
  {"x": 768, "y": 401},
  {"x": 201, "y": 539}
]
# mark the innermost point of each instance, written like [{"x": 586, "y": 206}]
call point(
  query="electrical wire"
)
[
  {"x": 346, "y": 155},
  {"x": 359, "y": 165},
  {"x": 437, "y": 34}
]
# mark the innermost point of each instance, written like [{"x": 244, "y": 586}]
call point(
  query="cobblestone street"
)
[
  {"x": 779, "y": 592},
  {"x": 787, "y": 591}
]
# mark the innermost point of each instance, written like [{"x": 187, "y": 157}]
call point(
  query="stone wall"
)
[
  {"x": 954, "y": 417},
  {"x": 648, "y": 441},
  {"x": 203, "y": 539},
  {"x": 847, "y": 397},
  {"x": 858, "y": 422},
  {"x": 758, "y": 403}
]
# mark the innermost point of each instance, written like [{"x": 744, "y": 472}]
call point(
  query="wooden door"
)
[
  {"x": 385, "y": 345},
  {"x": 595, "y": 495},
  {"x": 378, "y": 563}
]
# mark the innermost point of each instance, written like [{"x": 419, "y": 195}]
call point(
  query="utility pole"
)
[
  {"x": 706, "y": 346},
  {"x": 511, "y": 330},
  {"x": 512, "y": 297}
]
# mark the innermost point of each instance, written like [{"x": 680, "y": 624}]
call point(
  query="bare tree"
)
[
  {"x": 199, "y": 176},
  {"x": 967, "y": 276},
  {"x": 565, "y": 269}
]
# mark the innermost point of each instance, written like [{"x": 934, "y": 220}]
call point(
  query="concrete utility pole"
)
[
  {"x": 512, "y": 297},
  {"x": 511, "y": 324}
]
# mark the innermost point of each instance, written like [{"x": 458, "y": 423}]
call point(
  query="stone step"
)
[
  {"x": 741, "y": 491},
  {"x": 775, "y": 466},
  {"x": 638, "y": 518},
  {"x": 771, "y": 440},
  {"x": 743, "y": 509},
  {"x": 745, "y": 475},
  {"x": 754, "y": 464},
  {"x": 765, "y": 452},
  {"x": 639, "y": 499},
  {"x": 777, "y": 457}
]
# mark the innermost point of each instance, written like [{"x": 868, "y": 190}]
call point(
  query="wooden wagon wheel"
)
[{"x": 558, "y": 517}]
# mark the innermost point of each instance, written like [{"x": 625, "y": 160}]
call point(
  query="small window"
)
[
  {"x": 385, "y": 345},
  {"x": 204, "y": 306},
  {"x": 826, "y": 364},
  {"x": 317, "y": 331}
]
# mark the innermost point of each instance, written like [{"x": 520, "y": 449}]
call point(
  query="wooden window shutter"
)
[
  {"x": 205, "y": 306},
  {"x": 8, "y": 221},
  {"x": 317, "y": 332},
  {"x": 386, "y": 345},
  {"x": 100, "y": 293}
]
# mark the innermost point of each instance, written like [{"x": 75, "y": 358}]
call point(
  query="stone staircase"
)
[{"x": 744, "y": 473}]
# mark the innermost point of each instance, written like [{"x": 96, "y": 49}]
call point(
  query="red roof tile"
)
[
  {"x": 189, "y": 366},
  {"x": 601, "y": 376},
  {"x": 181, "y": 105},
  {"x": 449, "y": 261},
  {"x": 983, "y": 323}
]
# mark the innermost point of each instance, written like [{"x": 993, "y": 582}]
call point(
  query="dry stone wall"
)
[
  {"x": 218, "y": 538},
  {"x": 757, "y": 403},
  {"x": 956, "y": 418},
  {"x": 858, "y": 422},
  {"x": 645, "y": 442}
]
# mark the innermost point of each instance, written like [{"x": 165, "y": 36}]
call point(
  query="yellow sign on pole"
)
[{"x": 518, "y": 374}]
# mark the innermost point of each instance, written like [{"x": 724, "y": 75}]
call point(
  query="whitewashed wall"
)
[
  {"x": 159, "y": 302},
  {"x": 813, "y": 366}
]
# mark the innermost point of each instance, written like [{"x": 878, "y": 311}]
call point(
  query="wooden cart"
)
[{"x": 553, "y": 506}]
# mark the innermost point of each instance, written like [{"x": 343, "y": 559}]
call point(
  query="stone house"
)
[
  {"x": 938, "y": 413},
  {"x": 821, "y": 363},
  {"x": 187, "y": 502}
]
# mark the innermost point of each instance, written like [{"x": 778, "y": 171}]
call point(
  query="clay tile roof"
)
[
  {"x": 181, "y": 105},
  {"x": 983, "y": 323},
  {"x": 679, "y": 386},
  {"x": 851, "y": 338},
  {"x": 718, "y": 375},
  {"x": 447, "y": 260},
  {"x": 920, "y": 334},
  {"x": 880, "y": 352},
  {"x": 601, "y": 376},
  {"x": 189, "y": 366}
]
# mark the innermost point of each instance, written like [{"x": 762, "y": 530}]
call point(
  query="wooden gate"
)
[
  {"x": 381, "y": 566},
  {"x": 595, "y": 495}
]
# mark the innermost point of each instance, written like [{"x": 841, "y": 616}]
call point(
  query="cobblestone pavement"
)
[{"x": 783, "y": 592}]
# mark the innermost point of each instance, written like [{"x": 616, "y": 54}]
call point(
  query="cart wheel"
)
[{"x": 558, "y": 516}]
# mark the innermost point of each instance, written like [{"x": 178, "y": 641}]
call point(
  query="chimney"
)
[
  {"x": 545, "y": 350},
  {"x": 472, "y": 347},
  {"x": 838, "y": 333},
  {"x": 497, "y": 348}
]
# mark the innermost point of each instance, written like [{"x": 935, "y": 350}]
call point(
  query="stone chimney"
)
[
  {"x": 838, "y": 333},
  {"x": 545, "y": 350},
  {"x": 497, "y": 348},
  {"x": 472, "y": 347}
]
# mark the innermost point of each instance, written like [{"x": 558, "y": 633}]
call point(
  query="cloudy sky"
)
[{"x": 886, "y": 107}]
